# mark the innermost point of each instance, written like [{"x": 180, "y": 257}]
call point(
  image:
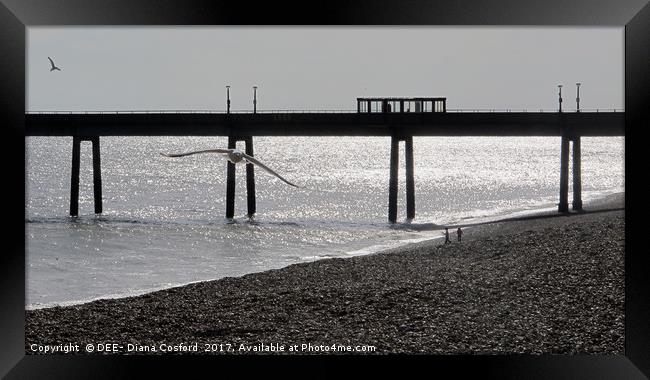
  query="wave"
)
[
  {"x": 244, "y": 221},
  {"x": 469, "y": 217}
]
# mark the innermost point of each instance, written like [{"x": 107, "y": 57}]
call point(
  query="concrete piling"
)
[
  {"x": 250, "y": 178},
  {"x": 230, "y": 182},
  {"x": 392, "y": 181},
  {"x": 577, "y": 175},
  {"x": 97, "y": 175},
  {"x": 74, "y": 177},
  {"x": 410, "y": 178},
  {"x": 563, "y": 206}
]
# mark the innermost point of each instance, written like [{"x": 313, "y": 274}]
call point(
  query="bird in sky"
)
[
  {"x": 235, "y": 156},
  {"x": 53, "y": 66}
]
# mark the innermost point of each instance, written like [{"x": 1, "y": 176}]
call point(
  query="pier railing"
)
[{"x": 294, "y": 111}]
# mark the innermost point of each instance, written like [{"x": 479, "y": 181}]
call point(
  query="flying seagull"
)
[
  {"x": 53, "y": 66},
  {"x": 235, "y": 156}
]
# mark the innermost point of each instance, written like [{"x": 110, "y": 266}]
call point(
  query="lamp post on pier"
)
[
  {"x": 578, "y": 97},
  {"x": 254, "y": 99},
  {"x": 228, "y": 99},
  {"x": 559, "y": 86}
]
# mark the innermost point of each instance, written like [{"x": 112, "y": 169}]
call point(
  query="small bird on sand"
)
[
  {"x": 53, "y": 66},
  {"x": 235, "y": 156}
]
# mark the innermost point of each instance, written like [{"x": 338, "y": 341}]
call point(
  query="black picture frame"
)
[{"x": 17, "y": 15}]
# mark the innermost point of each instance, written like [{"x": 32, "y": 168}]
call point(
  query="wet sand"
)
[{"x": 548, "y": 283}]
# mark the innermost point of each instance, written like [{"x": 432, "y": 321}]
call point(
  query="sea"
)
[{"x": 164, "y": 221}]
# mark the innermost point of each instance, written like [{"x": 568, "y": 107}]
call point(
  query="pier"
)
[{"x": 401, "y": 119}]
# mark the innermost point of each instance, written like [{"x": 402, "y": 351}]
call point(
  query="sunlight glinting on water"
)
[{"x": 163, "y": 221}]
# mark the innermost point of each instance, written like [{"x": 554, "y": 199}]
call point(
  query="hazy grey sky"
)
[{"x": 141, "y": 68}]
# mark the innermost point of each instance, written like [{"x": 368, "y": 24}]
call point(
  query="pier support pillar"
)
[
  {"x": 392, "y": 182},
  {"x": 577, "y": 173},
  {"x": 97, "y": 175},
  {"x": 74, "y": 177},
  {"x": 393, "y": 179},
  {"x": 250, "y": 178},
  {"x": 230, "y": 182},
  {"x": 563, "y": 206},
  {"x": 410, "y": 179}
]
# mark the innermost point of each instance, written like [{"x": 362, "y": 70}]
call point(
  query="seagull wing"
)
[
  {"x": 252, "y": 160},
  {"x": 52, "y": 63},
  {"x": 197, "y": 152}
]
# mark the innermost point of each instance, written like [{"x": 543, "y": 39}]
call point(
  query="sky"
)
[{"x": 322, "y": 68}]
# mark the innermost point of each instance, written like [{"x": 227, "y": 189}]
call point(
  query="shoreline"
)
[
  {"x": 610, "y": 203},
  {"x": 391, "y": 245},
  {"x": 534, "y": 284}
]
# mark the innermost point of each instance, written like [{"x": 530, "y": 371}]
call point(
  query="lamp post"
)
[
  {"x": 228, "y": 99},
  {"x": 578, "y": 98},
  {"x": 559, "y": 86},
  {"x": 254, "y": 99}
]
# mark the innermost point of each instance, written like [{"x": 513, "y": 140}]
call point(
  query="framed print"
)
[{"x": 431, "y": 184}]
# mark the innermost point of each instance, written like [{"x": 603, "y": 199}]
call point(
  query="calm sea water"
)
[{"x": 163, "y": 222}]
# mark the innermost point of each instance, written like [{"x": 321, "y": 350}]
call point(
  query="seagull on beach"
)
[
  {"x": 53, "y": 66},
  {"x": 235, "y": 156}
]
